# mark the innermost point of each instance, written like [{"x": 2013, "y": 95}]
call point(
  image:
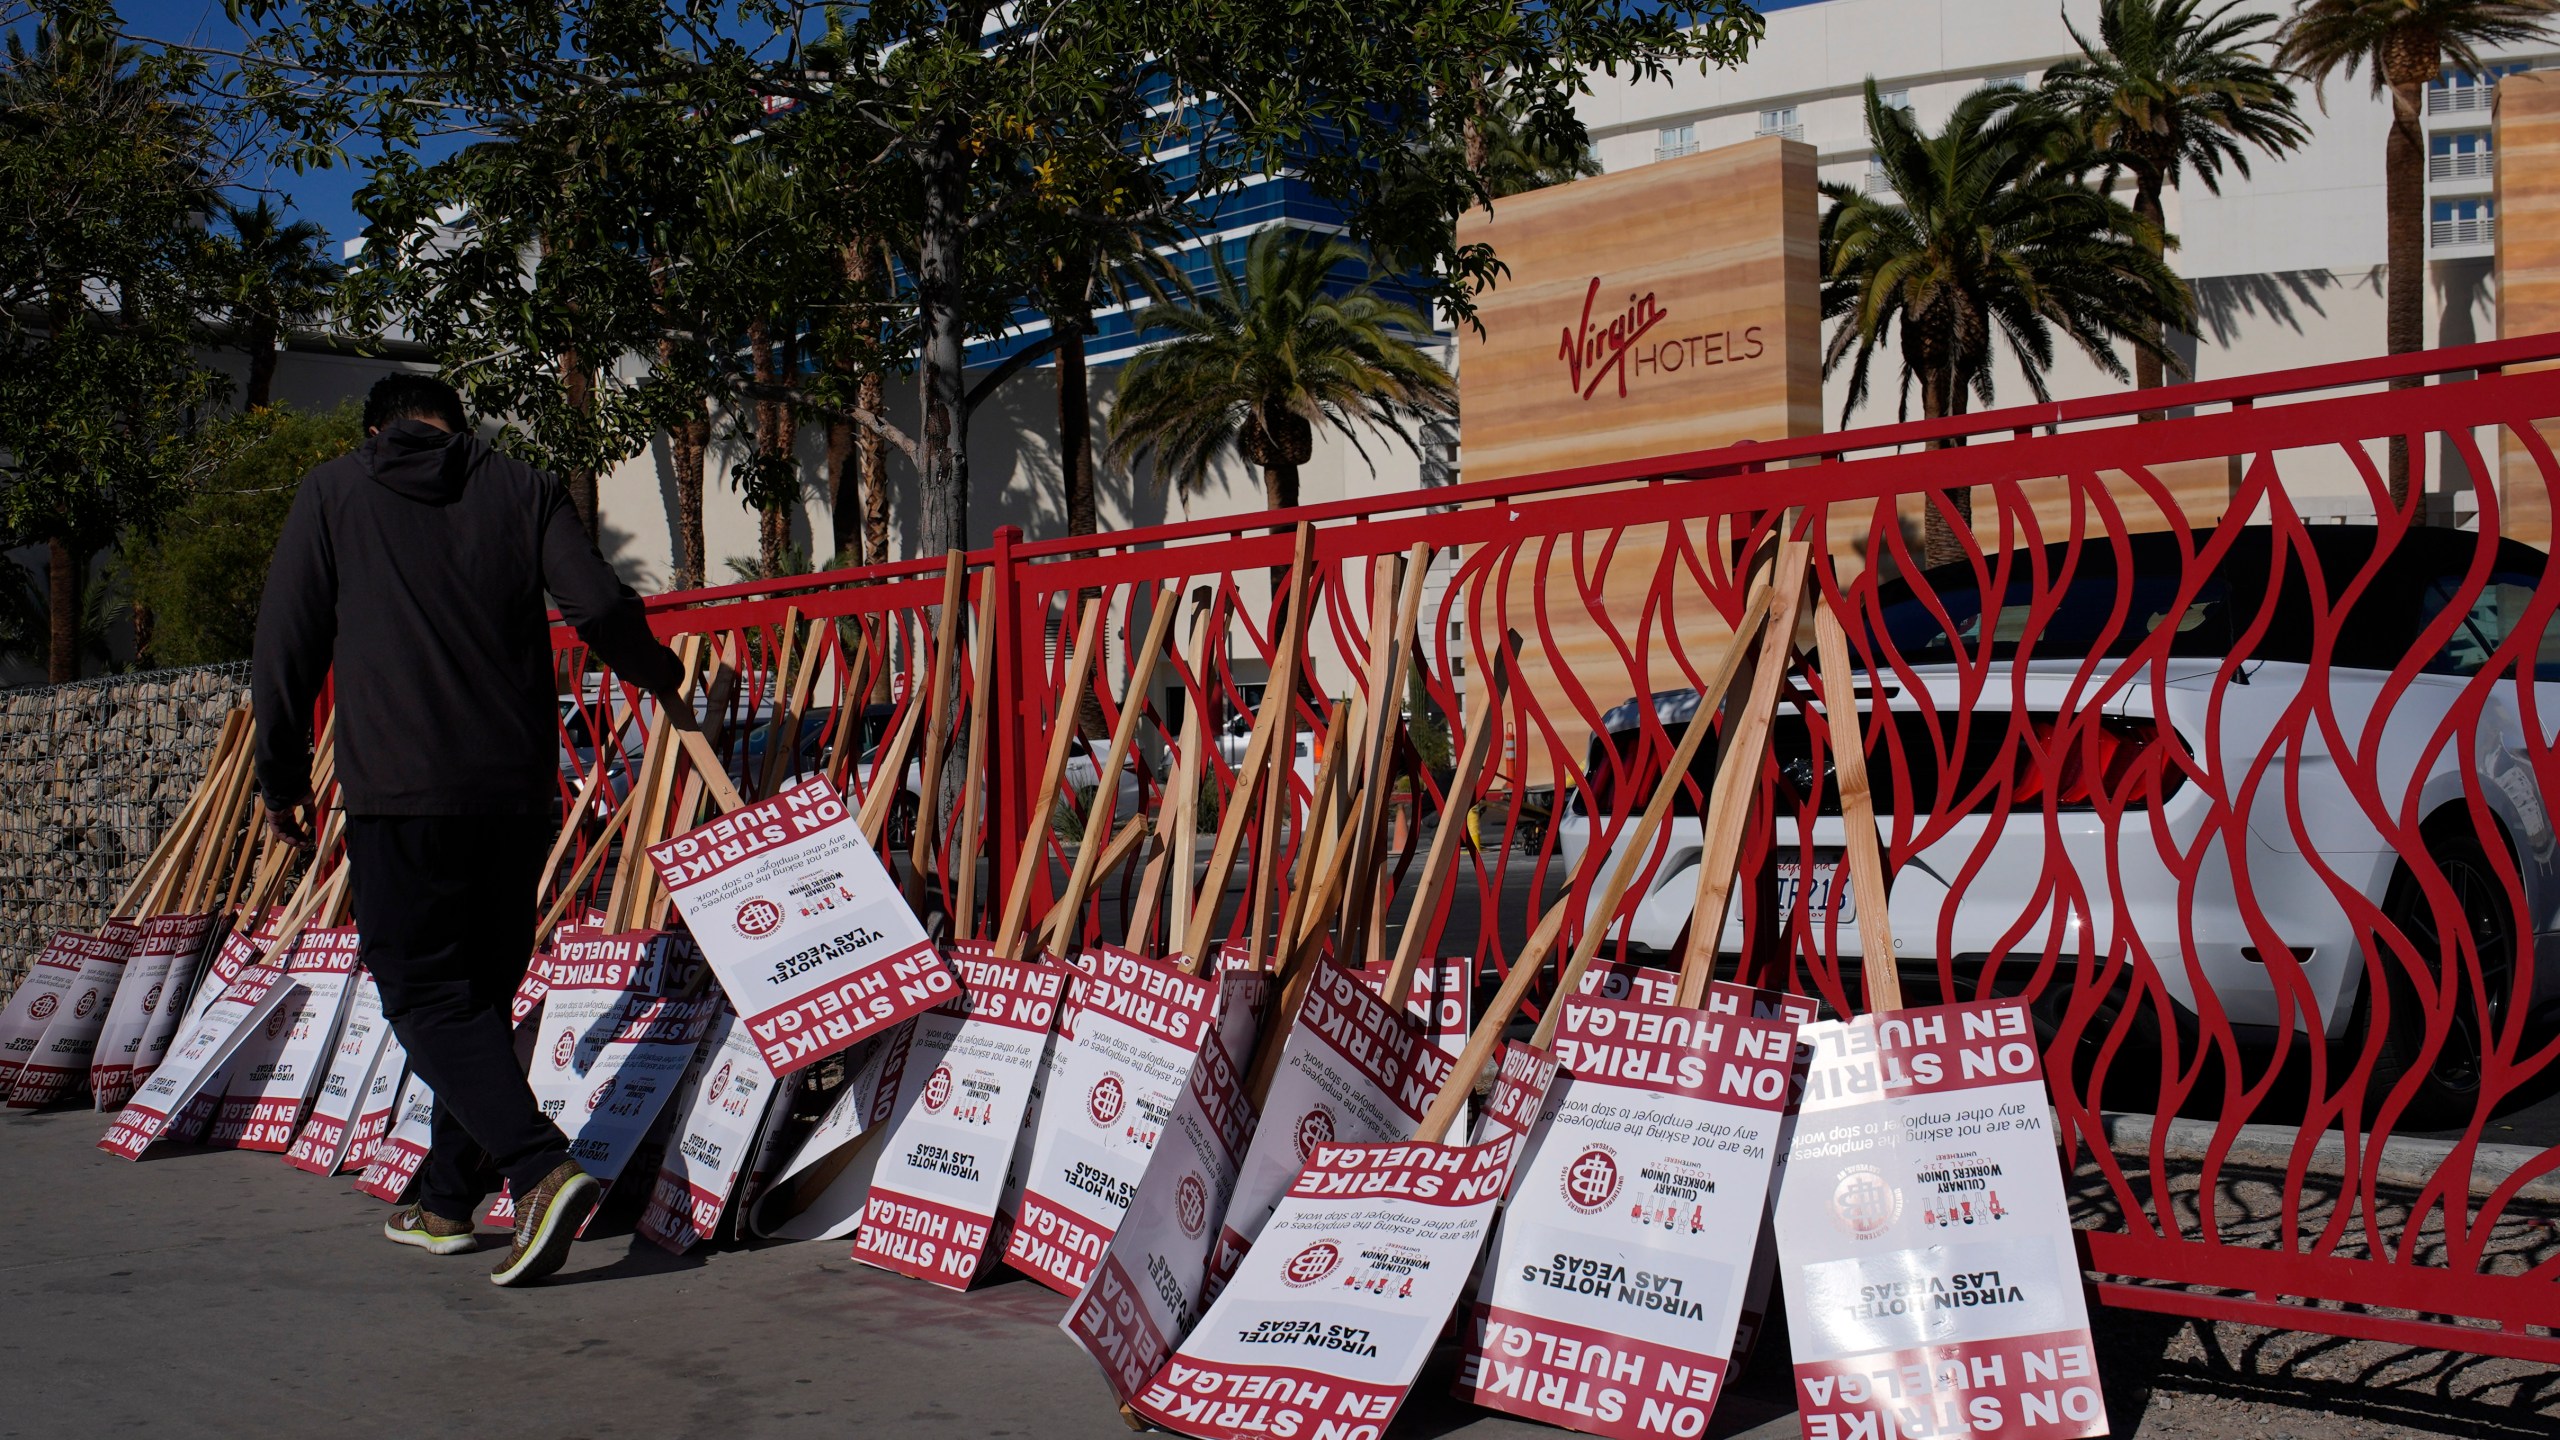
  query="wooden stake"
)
[
  {"x": 586, "y": 867},
  {"x": 147, "y": 878},
  {"x": 578, "y": 811},
  {"x": 1442, "y": 862},
  {"x": 1106, "y": 784},
  {"x": 781, "y": 732},
  {"x": 1062, "y": 734},
  {"x": 965, "y": 838},
  {"x": 1277, "y": 697},
  {"x": 888, "y": 778},
  {"x": 1386, "y": 711},
  {"x": 1176, "y": 816},
  {"x": 1738, "y": 774},
  {"x": 1857, "y": 809},
  {"x": 937, "y": 728}
]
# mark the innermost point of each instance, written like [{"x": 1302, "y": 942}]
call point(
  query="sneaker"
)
[
  {"x": 546, "y": 1221},
  {"x": 412, "y": 1225}
]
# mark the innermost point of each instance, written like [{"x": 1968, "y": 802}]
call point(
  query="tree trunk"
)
[
  {"x": 1075, "y": 432},
  {"x": 943, "y": 394},
  {"x": 62, "y": 647},
  {"x": 776, "y": 430},
  {"x": 2146, "y": 203},
  {"x": 844, "y": 493},
  {"x": 874, "y": 472},
  {"x": 2404, "y": 176},
  {"x": 579, "y": 384},
  {"x": 690, "y": 439},
  {"x": 262, "y": 367},
  {"x": 1942, "y": 533}
]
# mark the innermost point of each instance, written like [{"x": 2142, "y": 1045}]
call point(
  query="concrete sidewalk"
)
[{"x": 227, "y": 1294}]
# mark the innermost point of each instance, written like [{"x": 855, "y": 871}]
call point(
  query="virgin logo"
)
[{"x": 1591, "y": 355}]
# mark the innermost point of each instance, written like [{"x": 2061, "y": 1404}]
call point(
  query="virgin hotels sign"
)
[{"x": 1660, "y": 310}]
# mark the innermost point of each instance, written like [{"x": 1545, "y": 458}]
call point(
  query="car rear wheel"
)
[{"x": 2447, "y": 1092}]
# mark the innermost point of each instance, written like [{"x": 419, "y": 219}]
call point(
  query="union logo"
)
[
  {"x": 1863, "y": 1204},
  {"x": 151, "y": 1000},
  {"x": 598, "y": 1098},
  {"x": 563, "y": 1049},
  {"x": 720, "y": 1080},
  {"x": 937, "y": 1088},
  {"x": 757, "y": 918},
  {"x": 1591, "y": 1181},
  {"x": 89, "y": 1002},
  {"x": 276, "y": 1023},
  {"x": 1191, "y": 1205},
  {"x": 1313, "y": 1129},
  {"x": 43, "y": 1006},
  {"x": 1311, "y": 1264},
  {"x": 1105, "y": 1101}
]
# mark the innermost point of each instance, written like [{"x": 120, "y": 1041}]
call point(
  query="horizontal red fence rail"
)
[{"x": 2249, "y": 804}]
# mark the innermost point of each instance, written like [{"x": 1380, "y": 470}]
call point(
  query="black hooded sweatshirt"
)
[{"x": 415, "y": 566}]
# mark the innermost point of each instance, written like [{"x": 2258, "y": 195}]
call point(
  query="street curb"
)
[{"x": 2406, "y": 1160}]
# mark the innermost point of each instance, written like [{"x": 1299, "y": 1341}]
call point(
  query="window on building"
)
[
  {"x": 1877, "y": 182},
  {"x": 1673, "y": 141},
  {"x": 2011, "y": 82},
  {"x": 1781, "y": 121},
  {"x": 1896, "y": 100},
  {"x": 2462, "y": 222},
  {"x": 2460, "y": 155}
]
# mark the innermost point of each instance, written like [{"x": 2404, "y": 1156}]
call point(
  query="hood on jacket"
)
[{"x": 414, "y": 459}]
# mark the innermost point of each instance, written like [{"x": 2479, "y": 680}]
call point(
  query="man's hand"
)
[
  {"x": 290, "y": 823},
  {"x": 679, "y": 712}
]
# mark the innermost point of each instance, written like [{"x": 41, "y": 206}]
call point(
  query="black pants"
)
[{"x": 445, "y": 906}]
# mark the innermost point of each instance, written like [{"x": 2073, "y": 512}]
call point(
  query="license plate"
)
[{"x": 1823, "y": 888}]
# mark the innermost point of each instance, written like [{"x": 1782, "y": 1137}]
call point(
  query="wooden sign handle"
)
[
  {"x": 1178, "y": 804},
  {"x": 1062, "y": 734},
  {"x": 1375, "y": 779},
  {"x": 973, "y": 788},
  {"x": 1106, "y": 781},
  {"x": 1440, "y": 865},
  {"x": 1857, "y": 808},
  {"x": 937, "y": 727}
]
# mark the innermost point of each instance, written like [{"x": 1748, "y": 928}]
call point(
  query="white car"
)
[{"x": 1979, "y": 889}]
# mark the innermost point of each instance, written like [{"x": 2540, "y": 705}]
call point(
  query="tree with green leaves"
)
[
  {"x": 2404, "y": 44},
  {"x": 275, "y": 277},
  {"x": 107, "y": 163},
  {"x": 2171, "y": 89},
  {"x": 1990, "y": 236},
  {"x": 1277, "y": 351}
]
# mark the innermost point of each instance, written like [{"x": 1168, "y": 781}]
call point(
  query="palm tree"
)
[
  {"x": 2404, "y": 44},
  {"x": 2173, "y": 89},
  {"x": 1990, "y": 234},
  {"x": 275, "y": 277},
  {"x": 1257, "y": 365}
]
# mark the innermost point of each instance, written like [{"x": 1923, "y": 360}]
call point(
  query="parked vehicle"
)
[{"x": 1978, "y": 890}]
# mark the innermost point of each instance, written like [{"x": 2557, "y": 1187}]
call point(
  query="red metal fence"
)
[{"x": 2250, "y": 800}]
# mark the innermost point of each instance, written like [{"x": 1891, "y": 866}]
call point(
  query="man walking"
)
[{"x": 414, "y": 570}]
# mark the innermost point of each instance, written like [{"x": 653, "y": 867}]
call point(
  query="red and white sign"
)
[
  {"x": 242, "y": 1008},
  {"x": 60, "y": 1060},
  {"x": 1332, "y": 1312},
  {"x": 606, "y": 1062},
  {"x": 236, "y": 953},
  {"x": 960, "y": 1103},
  {"x": 381, "y": 1103},
  {"x": 1520, "y": 1089},
  {"x": 1124, "y": 1050},
  {"x": 323, "y": 1142},
  {"x": 1156, "y": 1274},
  {"x": 1614, "y": 1287},
  {"x": 393, "y": 1165},
  {"x": 33, "y": 1005},
  {"x": 846, "y": 959},
  {"x": 1353, "y": 1073},
  {"x": 1932, "y": 1283},
  {"x": 278, "y": 1066},
  {"x": 724, "y": 1106},
  {"x": 820, "y": 1194},
  {"x": 139, "y": 1027}
]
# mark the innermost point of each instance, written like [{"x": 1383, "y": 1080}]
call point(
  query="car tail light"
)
[{"x": 2104, "y": 760}]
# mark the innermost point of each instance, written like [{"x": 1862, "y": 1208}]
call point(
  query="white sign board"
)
[
  {"x": 138, "y": 1026},
  {"x": 723, "y": 1111},
  {"x": 807, "y": 932},
  {"x": 605, "y": 1062},
  {"x": 59, "y": 1063},
  {"x": 820, "y": 1194},
  {"x": 940, "y": 1177},
  {"x": 1933, "y": 1285},
  {"x": 1614, "y": 1287},
  {"x": 395, "y": 1158},
  {"x": 275, "y": 1070},
  {"x": 241, "y": 1009},
  {"x": 33, "y": 1005},
  {"x": 381, "y": 1103},
  {"x": 1332, "y": 1313},
  {"x": 1124, "y": 1051},
  {"x": 323, "y": 1141}
]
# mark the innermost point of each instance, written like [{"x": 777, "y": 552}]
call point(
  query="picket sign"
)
[
  {"x": 1125, "y": 1048},
  {"x": 60, "y": 1059},
  {"x": 725, "y": 1101},
  {"x": 1520, "y": 1090},
  {"x": 940, "y": 1179},
  {"x": 275, "y": 1070},
  {"x": 393, "y": 1165},
  {"x": 34, "y": 1003},
  {"x": 323, "y": 1141},
  {"x": 606, "y": 1060},
  {"x": 380, "y": 1104},
  {"x": 807, "y": 932},
  {"x": 163, "y": 963},
  {"x": 1613, "y": 1288},
  {"x": 763, "y": 1152},
  {"x": 1932, "y": 1281},
  {"x": 820, "y": 1195},
  {"x": 242, "y": 1009}
]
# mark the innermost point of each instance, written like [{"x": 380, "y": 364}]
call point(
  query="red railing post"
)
[{"x": 1018, "y": 683}]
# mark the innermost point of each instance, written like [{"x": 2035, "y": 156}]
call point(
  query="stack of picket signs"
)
[{"x": 1235, "y": 1160}]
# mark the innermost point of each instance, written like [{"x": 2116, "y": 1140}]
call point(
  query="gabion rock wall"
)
[{"x": 90, "y": 774}]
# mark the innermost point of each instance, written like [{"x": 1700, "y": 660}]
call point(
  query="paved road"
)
[{"x": 226, "y": 1294}]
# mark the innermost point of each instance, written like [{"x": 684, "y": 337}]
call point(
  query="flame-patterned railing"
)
[{"x": 2248, "y": 799}]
